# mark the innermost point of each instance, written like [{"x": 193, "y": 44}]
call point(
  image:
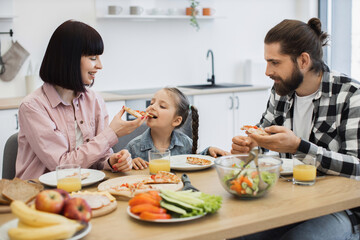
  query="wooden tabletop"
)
[{"x": 285, "y": 204}]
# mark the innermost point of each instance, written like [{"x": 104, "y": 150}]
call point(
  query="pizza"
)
[
  {"x": 133, "y": 188},
  {"x": 162, "y": 177},
  {"x": 137, "y": 113},
  {"x": 82, "y": 176},
  {"x": 255, "y": 130},
  {"x": 198, "y": 161}
]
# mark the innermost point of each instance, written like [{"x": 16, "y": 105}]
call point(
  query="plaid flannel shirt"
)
[{"x": 335, "y": 133}]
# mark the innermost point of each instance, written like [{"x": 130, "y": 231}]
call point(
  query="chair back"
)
[{"x": 9, "y": 159}]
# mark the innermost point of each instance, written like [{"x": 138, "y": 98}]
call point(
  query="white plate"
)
[
  {"x": 287, "y": 166},
  {"x": 171, "y": 220},
  {"x": 95, "y": 176},
  {"x": 178, "y": 162},
  {"x": 13, "y": 223}
]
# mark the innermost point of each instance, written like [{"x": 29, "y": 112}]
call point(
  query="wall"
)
[{"x": 141, "y": 54}]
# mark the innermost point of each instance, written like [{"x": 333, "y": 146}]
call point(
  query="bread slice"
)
[
  {"x": 18, "y": 189},
  {"x": 3, "y": 199}
]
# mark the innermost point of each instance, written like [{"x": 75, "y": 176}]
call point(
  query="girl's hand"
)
[
  {"x": 242, "y": 144},
  {"x": 139, "y": 163},
  {"x": 121, "y": 127},
  {"x": 121, "y": 161},
  {"x": 215, "y": 152}
]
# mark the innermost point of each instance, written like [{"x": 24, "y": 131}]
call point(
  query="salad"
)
[{"x": 247, "y": 183}]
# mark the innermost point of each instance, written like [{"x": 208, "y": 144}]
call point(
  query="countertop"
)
[{"x": 109, "y": 96}]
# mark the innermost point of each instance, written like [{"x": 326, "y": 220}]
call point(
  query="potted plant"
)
[{"x": 193, "y": 14}]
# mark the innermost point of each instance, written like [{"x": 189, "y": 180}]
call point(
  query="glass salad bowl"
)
[{"x": 247, "y": 183}]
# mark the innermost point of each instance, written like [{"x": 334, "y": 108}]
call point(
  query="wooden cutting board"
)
[{"x": 126, "y": 195}]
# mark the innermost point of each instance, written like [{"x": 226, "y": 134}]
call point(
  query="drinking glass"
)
[
  {"x": 68, "y": 177},
  {"x": 304, "y": 169},
  {"x": 159, "y": 160}
]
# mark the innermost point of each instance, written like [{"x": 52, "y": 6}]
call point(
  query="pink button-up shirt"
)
[{"x": 47, "y": 132}]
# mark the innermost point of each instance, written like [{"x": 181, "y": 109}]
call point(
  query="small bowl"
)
[{"x": 246, "y": 184}]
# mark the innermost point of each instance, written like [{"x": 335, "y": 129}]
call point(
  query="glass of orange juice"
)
[
  {"x": 68, "y": 177},
  {"x": 304, "y": 169},
  {"x": 159, "y": 160}
]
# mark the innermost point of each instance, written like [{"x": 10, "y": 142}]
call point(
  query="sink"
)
[{"x": 210, "y": 86}]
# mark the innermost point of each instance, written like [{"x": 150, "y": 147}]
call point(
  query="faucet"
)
[{"x": 212, "y": 79}]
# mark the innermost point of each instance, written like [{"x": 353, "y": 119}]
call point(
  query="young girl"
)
[{"x": 170, "y": 109}]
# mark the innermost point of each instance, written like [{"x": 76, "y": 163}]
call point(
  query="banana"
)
[
  {"x": 36, "y": 218},
  {"x": 60, "y": 231}
]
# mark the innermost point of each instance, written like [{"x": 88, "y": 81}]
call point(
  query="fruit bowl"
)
[{"x": 246, "y": 184}]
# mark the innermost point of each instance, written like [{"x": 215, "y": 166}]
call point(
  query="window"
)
[{"x": 338, "y": 18}]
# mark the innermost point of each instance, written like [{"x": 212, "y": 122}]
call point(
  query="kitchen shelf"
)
[
  {"x": 155, "y": 17},
  {"x": 6, "y": 17}
]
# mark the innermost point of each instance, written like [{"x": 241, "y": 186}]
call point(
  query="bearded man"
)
[{"x": 311, "y": 110}]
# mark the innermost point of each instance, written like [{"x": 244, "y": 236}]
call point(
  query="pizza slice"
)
[
  {"x": 133, "y": 188},
  {"x": 162, "y": 177},
  {"x": 137, "y": 113},
  {"x": 82, "y": 176},
  {"x": 255, "y": 130},
  {"x": 198, "y": 161}
]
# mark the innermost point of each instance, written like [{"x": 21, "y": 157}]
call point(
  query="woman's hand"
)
[
  {"x": 139, "y": 163},
  {"x": 215, "y": 152},
  {"x": 121, "y": 127},
  {"x": 121, "y": 161},
  {"x": 242, "y": 144}
]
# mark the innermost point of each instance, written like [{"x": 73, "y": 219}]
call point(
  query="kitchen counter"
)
[{"x": 109, "y": 96}]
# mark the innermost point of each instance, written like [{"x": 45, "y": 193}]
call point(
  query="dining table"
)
[{"x": 284, "y": 204}]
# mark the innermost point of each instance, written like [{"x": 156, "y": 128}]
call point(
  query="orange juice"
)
[
  {"x": 304, "y": 172},
  {"x": 159, "y": 165},
  {"x": 69, "y": 184}
]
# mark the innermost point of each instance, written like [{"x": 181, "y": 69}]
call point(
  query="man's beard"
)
[{"x": 284, "y": 87}]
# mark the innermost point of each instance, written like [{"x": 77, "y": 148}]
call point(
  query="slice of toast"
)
[
  {"x": 3, "y": 199},
  {"x": 18, "y": 189}
]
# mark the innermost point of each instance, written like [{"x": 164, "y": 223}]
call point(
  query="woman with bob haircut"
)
[{"x": 64, "y": 121}]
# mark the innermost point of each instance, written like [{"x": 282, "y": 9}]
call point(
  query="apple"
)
[
  {"x": 63, "y": 193},
  {"x": 49, "y": 201},
  {"x": 78, "y": 209}
]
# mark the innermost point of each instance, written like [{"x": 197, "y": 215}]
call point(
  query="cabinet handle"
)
[
  {"x": 232, "y": 103},
  {"x": 237, "y": 102},
  {"x": 17, "y": 121}
]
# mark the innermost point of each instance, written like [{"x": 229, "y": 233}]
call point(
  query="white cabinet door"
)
[
  {"x": 9, "y": 126},
  {"x": 215, "y": 120},
  {"x": 113, "y": 108},
  {"x": 248, "y": 109}
]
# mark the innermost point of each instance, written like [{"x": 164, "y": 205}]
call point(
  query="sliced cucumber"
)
[{"x": 172, "y": 208}]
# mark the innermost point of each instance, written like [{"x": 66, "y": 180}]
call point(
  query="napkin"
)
[{"x": 13, "y": 59}]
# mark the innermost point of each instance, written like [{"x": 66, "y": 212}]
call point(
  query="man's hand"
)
[
  {"x": 242, "y": 144},
  {"x": 282, "y": 140},
  {"x": 140, "y": 163},
  {"x": 121, "y": 161},
  {"x": 215, "y": 152}
]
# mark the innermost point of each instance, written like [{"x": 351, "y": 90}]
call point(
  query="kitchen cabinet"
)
[
  {"x": 222, "y": 115},
  {"x": 9, "y": 126}
]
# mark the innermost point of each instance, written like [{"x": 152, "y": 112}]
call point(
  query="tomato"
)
[
  {"x": 154, "y": 216},
  {"x": 147, "y": 208}
]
